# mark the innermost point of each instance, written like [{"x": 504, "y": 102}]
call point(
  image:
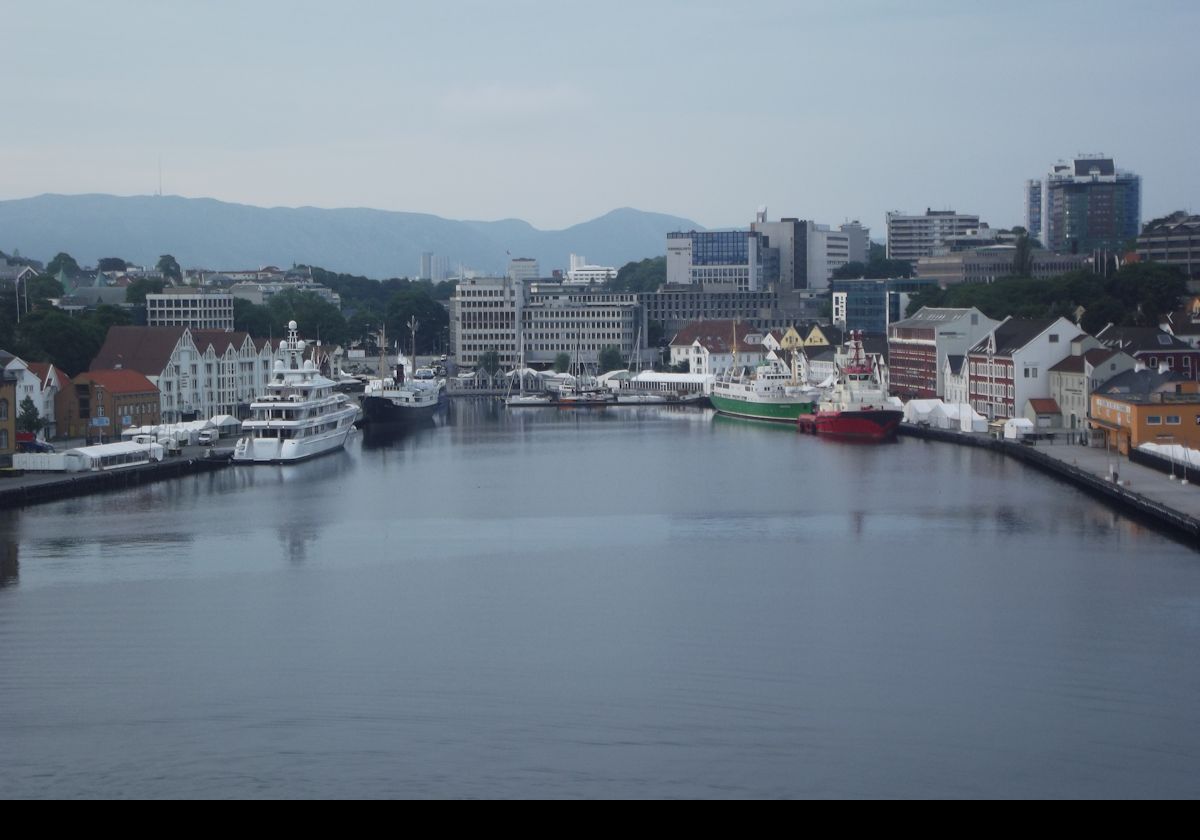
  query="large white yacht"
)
[{"x": 301, "y": 415}]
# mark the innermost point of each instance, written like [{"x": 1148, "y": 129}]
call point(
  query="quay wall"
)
[
  {"x": 1121, "y": 495},
  {"x": 26, "y": 490}
]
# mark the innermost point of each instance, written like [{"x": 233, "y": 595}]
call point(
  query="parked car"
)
[{"x": 207, "y": 438}]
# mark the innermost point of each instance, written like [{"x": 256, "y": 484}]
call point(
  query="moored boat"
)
[
  {"x": 857, "y": 407},
  {"x": 301, "y": 415}
]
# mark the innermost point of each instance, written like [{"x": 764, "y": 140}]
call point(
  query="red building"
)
[{"x": 1153, "y": 348}]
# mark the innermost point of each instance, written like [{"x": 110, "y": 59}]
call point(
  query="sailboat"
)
[
  {"x": 583, "y": 391},
  {"x": 522, "y": 399}
]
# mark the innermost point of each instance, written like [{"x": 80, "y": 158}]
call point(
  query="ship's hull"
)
[
  {"x": 276, "y": 451},
  {"x": 384, "y": 410},
  {"x": 778, "y": 411},
  {"x": 872, "y": 425}
]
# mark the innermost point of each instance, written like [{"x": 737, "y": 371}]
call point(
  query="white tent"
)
[
  {"x": 1017, "y": 428},
  {"x": 918, "y": 411},
  {"x": 1173, "y": 451}
]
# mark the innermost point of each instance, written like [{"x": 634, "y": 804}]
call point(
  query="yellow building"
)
[
  {"x": 1144, "y": 406},
  {"x": 8, "y": 416}
]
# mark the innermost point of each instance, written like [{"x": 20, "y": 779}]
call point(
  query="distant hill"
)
[{"x": 205, "y": 233}]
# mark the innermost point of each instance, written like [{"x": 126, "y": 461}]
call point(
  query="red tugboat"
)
[{"x": 857, "y": 406}]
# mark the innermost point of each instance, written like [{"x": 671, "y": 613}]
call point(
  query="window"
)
[
  {"x": 1054, "y": 338},
  {"x": 1172, "y": 419},
  {"x": 4, "y": 410},
  {"x": 1154, "y": 420}
]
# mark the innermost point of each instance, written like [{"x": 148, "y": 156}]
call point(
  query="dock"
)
[
  {"x": 40, "y": 487},
  {"x": 1147, "y": 485}
]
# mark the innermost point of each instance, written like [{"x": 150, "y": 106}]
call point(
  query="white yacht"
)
[{"x": 302, "y": 414}]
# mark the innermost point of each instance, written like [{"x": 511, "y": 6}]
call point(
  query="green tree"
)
[
  {"x": 136, "y": 291},
  {"x": 251, "y": 318},
  {"x": 641, "y": 277},
  {"x": 63, "y": 262},
  {"x": 30, "y": 419},
  {"x": 562, "y": 363},
  {"x": 317, "y": 318},
  {"x": 489, "y": 362},
  {"x": 112, "y": 264},
  {"x": 610, "y": 359},
  {"x": 54, "y": 336},
  {"x": 41, "y": 289},
  {"x": 169, "y": 267},
  {"x": 417, "y": 302}
]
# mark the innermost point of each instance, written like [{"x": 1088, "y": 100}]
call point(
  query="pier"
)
[
  {"x": 1147, "y": 485},
  {"x": 36, "y": 488}
]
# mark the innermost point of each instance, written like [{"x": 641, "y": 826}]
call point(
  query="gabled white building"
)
[
  {"x": 199, "y": 373},
  {"x": 707, "y": 347},
  {"x": 1011, "y": 365}
]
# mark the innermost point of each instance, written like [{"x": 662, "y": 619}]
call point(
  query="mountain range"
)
[{"x": 206, "y": 233}]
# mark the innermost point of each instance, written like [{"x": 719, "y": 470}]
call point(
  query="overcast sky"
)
[{"x": 557, "y": 112}]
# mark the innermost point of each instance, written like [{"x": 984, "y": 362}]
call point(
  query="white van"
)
[{"x": 208, "y": 437}]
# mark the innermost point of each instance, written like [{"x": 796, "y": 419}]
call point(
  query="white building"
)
[
  {"x": 42, "y": 383},
  {"x": 1012, "y": 364},
  {"x": 582, "y": 273},
  {"x": 523, "y": 269},
  {"x": 199, "y": 373},
  {"x": 858, "y": 237},
  {"x": 707, "y": 347},
  {"x": 484, "y": 315},
  {"x": 912, "y": 237},
  {"x": 186, "y": 306}
]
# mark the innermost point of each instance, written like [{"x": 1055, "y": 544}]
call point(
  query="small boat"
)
[
  {"x": 400, "y": 398},
  {"x": 857, "y": 407}
]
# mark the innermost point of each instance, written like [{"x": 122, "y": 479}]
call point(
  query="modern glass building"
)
[
  {"x": 727, "y": 257},
  {"x": 1091, "y": 205}
]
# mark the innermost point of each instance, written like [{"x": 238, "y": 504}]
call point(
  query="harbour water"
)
[{"x": 630, "y": 602}]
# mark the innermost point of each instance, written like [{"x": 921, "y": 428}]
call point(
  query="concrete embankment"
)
[
  {"x": 36, "y": 488},
  {"x": 1170, "y": 503}
]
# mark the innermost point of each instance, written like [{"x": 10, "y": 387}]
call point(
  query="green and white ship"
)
[{"x": 772, "y": 392}]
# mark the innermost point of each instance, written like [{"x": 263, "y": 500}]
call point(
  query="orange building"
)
[
  {"x": 1144, "y": 406},
  {"x": 124, "y": 398},
  {"x": 8, "y": 416}
]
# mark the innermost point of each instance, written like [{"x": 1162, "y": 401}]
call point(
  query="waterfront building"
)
[
  {"x": 1153, "y": 348},
  {"x": 871, "y": 306},
  {"x": 523, "y": 269},
  {"x": 988, "y": 264},
  {"x": 199, "y": 373},
  {"x": 564, "y": 319},
  {"x": 911, "y": 237},
  {"x": 1074, "y": 378},
  {"x": 484, "y": 315},
  {"x": 8, "y": 416},
  {"x": 707, "y": 347},
  {"x": 1173, "y": 240},
  {"x": 919, "y": 346},
  {"x": 103, "y": 403},
  {"x": 956, "y": 381},
  {"x": 1147, "y": 406},
  {"x": 1090, "y": 205},
  {"x": 1011, "y": 364},
  {"x": 40, "y": 382},
  {"x": 675, "y": 306},
  {"x": 187, "y": 306}
]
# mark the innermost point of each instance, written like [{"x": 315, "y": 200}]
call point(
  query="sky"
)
[{"x": 557, "y": 112}]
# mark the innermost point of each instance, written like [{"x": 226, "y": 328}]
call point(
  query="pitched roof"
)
[
  {"x": 1044, "y": 406},
  {"x": 956, "y": 364},
  {"x": 1014, "y": 334},
  {"x": 931, "y": 315},
  {"x": 219, "y": 339},
  {"x": 144, "y": 349},
  {"x": 42, "y": 371},
  {"x": 118, "y": 381},
  {"x": 716, "y": 336},
  {"x": 1139, "y": 385},
  {"x": 1140, "y": 339}
]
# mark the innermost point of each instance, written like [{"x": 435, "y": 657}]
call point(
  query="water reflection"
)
[{"x": 10, "y": 567}]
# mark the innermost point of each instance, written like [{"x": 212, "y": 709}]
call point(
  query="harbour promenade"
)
[{"x": 1145, "y": 488}]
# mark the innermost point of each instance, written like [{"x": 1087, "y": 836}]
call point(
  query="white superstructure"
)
[{"x": 302, "y": 415}]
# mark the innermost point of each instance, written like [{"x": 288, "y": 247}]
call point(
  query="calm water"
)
[{"x": 638, "y": 602}]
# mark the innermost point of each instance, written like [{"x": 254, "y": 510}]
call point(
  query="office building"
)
[
  {"x": 911, "y": 237},
  {"x": 187, "y": 306},
  {"x": 1090, "y": 205},
  {"x": 523, "y": 269},
  {"x": 725, "y": 257},
  {"x": 1034, "y": 209},
  {"x": 1173, "y": 240},
  {"x": 583, "y": 273},
  {"x": 870, "y": 306}
]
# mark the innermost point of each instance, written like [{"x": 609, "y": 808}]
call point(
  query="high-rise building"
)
[
  {"x": 1034, "y": 209},
  {"x": 912, "y": 237},
  {"x": 1090, "y": 205},
  {"x": 425, "y": 271},
  {"x": 1174, "y": 240},
  {"x": 726, "y": 257},
  {"x": 523, "y": 269},
  {"x": 859, "y": 241}
]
